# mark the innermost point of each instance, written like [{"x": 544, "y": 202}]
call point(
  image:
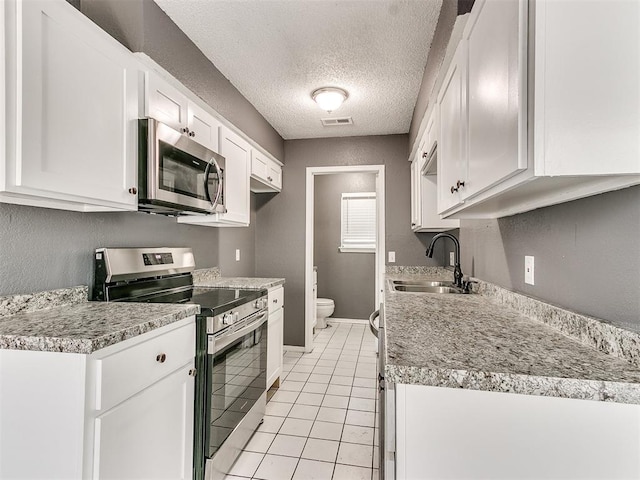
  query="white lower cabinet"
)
[
  {"x": 150, "y": 434},
  {"x": 275, "y": 341},
  {"x": 70, "y": 96},
  {"x": 467, "y": 434},
  {"x": 123, "y": 412}
]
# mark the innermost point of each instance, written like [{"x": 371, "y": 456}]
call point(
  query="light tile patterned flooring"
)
[{"x": 321, "y": 423}]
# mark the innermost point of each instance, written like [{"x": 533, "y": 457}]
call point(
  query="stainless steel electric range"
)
[{"x": 231, "y": 344}]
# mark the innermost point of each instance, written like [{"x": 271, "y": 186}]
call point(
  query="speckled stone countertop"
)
[
  {"x": 498, "y": 341},
  {"x": 86, "y": 327},
  {"x": 247, "y": 283}
]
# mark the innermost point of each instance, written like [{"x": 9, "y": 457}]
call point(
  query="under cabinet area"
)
[
  {"x": 125, "y": 411},
  {"x": 275, "y": 342},
  {"x": 70, "y": 96},
  {"x": 512, "y": 436}
]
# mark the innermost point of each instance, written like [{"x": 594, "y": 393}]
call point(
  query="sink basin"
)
[
  {"x": 419, "y": 288},
  {"x": 424, "y": 283}
]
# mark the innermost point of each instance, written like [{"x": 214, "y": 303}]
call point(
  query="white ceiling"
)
[{"x": 276, "y": 52}]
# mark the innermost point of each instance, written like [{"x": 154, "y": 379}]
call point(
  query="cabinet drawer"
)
[
  {"x": 276, "y": 299},
  {"x": 126, "y": 372}
]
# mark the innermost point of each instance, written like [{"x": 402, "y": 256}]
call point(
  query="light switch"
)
[
  {"x": 237, "y": 254},
  {"x": 392, "y": 257}
]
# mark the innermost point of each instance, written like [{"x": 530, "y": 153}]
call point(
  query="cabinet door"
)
[
  {"x": 275, "y": 346},
  {"x": 452, "y": 149},
  {"x": 150, "y": 435},
  {"x": 259, "y": 165},
  {"x": 275, "y": 175},
  {"x": 415, "y": 193},
  {"x": 78, "y": 107},
  {"x": 203, "y": 127},
  {"x": 236, "y": 152},
  {"x": 165, "y": 103},
  {"x": 587, "y": 87},
  {"x": 497, "y": 95}
]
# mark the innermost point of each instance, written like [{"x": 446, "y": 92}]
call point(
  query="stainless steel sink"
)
[
  {"x": 424, "y": 283},
  {"x": 427, "y": 289}
]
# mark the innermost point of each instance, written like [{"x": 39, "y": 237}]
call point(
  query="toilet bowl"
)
[{"x": 324, "y": 309}]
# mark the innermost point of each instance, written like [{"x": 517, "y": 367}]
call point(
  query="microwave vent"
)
[{"x": 335, "y": 122}]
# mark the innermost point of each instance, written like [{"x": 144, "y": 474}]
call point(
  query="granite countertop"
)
[
  {"x": 247, "y": 283},
  {"x": 482, "y": 342},
  {"x": 86, "y": 327}
]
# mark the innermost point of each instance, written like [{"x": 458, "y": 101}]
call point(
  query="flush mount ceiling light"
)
[{"x": 329, "y": 98}]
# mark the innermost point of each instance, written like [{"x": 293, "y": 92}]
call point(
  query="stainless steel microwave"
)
[{"x": 177, "y": 175}]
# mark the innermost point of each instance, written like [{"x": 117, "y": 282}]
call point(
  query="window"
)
[{"x": 358, "y": 232}]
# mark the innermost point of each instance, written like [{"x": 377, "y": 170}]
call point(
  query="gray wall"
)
[
  {"x": 280, "y": 243},
  {"x": 44, "y": 249},
  {"x": 243, "y": 238},
  {"x": 434, "y": 62},
  {"x": 142, "y": 26},
  {"x": 347, "y": 278},
  {"x": 587, "y": 254}
]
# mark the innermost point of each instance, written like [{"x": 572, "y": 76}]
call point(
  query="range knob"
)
[
  {"x": 227, "y": 319},
  {"x": 258, "y": 304}
]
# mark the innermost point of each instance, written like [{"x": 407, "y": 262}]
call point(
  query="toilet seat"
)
[{"x": 324, "y": 301}]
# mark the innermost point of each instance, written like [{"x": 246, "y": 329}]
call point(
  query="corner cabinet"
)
[
  {"x": 71, "y": 106},
  {"x": 125, "y": 411},
  {"x": 521, "y": 127},
  {"x": 275, "y": 341}
]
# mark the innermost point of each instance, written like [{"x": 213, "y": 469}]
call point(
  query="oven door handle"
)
[{"x": 227, "y": 340}]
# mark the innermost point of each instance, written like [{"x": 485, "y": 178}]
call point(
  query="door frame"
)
[{"x": 309, "y": 306}]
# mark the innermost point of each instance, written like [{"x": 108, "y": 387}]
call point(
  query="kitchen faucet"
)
[{"x": 457, "y": 271}]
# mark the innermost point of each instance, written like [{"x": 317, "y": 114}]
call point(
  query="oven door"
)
[
  {"x": 180, "y": 173},
  {"x": 236, "y": 381}
]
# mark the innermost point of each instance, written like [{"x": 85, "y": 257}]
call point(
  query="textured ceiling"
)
[{"x": 277, "y": 52}]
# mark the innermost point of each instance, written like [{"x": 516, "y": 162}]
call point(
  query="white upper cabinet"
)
[
  {"x": 71, "y": 109},
  {"x": 587, "y": 88},
  {"x": 169, "y": 105},
  {"x": 539, "y": 106},
  {"x": 496, "y": 102},
  {"x": 452, "y": 145},
  {"x": 266, "y": 174},
  {"x": 424, "y": 191}
]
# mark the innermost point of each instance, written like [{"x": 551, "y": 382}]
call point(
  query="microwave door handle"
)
[{"x": 207, "y": 172}]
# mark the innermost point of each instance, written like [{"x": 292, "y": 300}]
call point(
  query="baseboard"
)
[
  {"x": 294, "y": 348},
  {"x": 347, "y": 320}
]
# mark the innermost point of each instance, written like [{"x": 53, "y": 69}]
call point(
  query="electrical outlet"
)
[
  {"x": 452, "y": 259},
  {"x": 392, "y": 257},
  {"x": 237, "y": 254},
  {"x": 529, "y": 270}
]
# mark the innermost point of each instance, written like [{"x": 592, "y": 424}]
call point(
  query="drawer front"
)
[
  {"x": 126, "y": 372},
  {"x": 276, "y": 298}
]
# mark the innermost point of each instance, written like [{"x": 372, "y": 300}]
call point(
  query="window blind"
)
[{"x": 359, "y": 224}]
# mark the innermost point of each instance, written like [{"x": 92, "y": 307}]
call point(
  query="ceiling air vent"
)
[{"x": 332, "y": 122}]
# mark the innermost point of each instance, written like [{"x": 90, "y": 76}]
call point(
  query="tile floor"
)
[{"x": 320, "y": 424}]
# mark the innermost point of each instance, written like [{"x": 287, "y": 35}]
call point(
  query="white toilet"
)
[{"x": 324, "y": 309}]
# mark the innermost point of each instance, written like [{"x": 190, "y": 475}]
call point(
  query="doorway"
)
[{"x": 378, "y": 171}]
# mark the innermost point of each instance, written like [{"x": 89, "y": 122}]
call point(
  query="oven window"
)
[
  {"x": 182, "y": 173},
  {"x": 237, "y": 378}
]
